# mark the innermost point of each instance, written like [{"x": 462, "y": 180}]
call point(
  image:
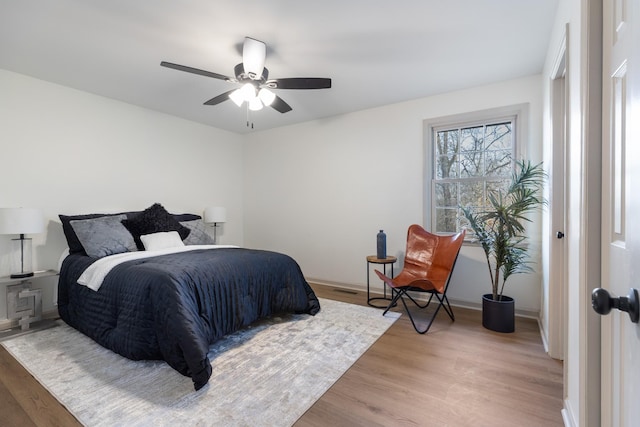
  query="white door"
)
[{"x": 621, "y": 209}]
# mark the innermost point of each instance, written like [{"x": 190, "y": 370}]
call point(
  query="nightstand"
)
[
  {"x": 24, "y": 302},
  {"x": 372, "y": 259}
]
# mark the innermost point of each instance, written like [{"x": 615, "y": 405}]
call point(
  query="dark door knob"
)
[
  {"x": 602, "y": 302},
  {"x": 559, "y": 234}
]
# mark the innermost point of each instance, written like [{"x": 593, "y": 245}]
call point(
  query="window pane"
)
[
  {"x": 471, "y": 139},
  {"x": 498, "y": 136},
  {"x": 462, "y": 220},
  {"x": 447, "y": 167},
  {"x": 471, "y": 164},
  {"x": 463, "y": 223},
  {"x": 446, "y": 195},
  {"x": 496, "y": 186},
  {"x": 498, "y": 163},
  {"x": 472, "y": 194},
  {"x": 446, "y": 220},
  {"x": 447, "y": 142}
]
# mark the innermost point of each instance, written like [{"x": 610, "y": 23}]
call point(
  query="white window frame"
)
[{"x": 519, "y": 114}]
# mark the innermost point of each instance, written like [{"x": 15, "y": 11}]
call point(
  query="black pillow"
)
[
  {"x": 186, "y": 217},
  {"x": 154, "y": 219},
  {"x": 72, "y": 239}
]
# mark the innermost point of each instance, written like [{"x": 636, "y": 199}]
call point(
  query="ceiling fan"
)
[{"x": 254, "y": 77}]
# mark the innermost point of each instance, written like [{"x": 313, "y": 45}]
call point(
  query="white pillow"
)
[{"x": 162, "y": 240}]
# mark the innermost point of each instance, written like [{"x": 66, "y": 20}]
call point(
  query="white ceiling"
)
[{"x": 375, "y": 52}]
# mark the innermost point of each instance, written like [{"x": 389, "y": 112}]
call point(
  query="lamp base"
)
[
  {"x": 21, "y": 275},
  {"x": 21, "y": 258}
]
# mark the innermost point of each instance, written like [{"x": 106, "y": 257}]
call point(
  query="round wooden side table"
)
[{"x": 373, "y": 259}]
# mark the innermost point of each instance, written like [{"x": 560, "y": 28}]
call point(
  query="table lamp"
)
[
  {"x": 21, "y": 221},
  {"x": 215, "y": 215}
]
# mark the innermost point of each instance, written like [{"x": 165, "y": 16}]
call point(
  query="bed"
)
[{"x": 152, "y": 292}]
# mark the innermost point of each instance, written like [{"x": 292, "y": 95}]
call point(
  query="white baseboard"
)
[
  {"x": 359, "y": 288},
  {"x": 543, "y": 335},
  {"x": 567, "y": 415},
  {"x": 454, "y": 302}
]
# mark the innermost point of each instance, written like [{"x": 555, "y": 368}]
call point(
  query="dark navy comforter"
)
[{"x": 172, "y": 307}]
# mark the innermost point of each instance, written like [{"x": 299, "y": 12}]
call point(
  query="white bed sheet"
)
[{"x": 94, "y": 275}]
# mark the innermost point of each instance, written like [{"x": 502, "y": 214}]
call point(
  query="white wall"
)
[
  {"x": 320, "y": 191},
  {"x": 71, "y": 152}
]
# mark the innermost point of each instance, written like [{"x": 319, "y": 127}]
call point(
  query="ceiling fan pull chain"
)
[{"x": 249, "y": 117}]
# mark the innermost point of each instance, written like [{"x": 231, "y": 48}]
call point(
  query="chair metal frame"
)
[{"x": 426, "y": 286}]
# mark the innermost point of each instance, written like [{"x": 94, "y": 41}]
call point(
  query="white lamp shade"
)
[
  {"x": 255, "y": 104},
  {"x": 266, "y": 96},
  {"x": 248, "y": 92},
  {"x": 21, "y": 221},
  {"x": 215, "y": 215},
  {"x": 237, "y": 97}
]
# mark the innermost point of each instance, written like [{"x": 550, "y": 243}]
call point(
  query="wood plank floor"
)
[{"x": 458, "y": 374}]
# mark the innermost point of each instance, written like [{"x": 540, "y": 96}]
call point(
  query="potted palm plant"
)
[{"x": 500, "y": 230}]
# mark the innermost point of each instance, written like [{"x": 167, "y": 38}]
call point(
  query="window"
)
[{"x": 468, "y": 157}]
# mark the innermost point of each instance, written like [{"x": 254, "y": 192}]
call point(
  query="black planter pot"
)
[{"x": 498, "y": 316}]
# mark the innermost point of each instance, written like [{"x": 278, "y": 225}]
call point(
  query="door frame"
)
[
  {"x": 591, "y": 227},
  {"x": 582, "y": 358},
  {"x": 557, "y": 286}
]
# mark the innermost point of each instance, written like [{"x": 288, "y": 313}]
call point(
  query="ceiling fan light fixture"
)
[
  {"x": 255, "y": 104},
  {"x": 248, "y": 91},
  {"x": 266, "y": 96},
  {"x": 237, "y": 97}
]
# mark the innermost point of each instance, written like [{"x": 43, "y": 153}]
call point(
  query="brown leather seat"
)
[{"x": 428, "y": 263}]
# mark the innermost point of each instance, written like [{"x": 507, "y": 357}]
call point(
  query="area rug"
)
[{"x": 266, "y": 375}]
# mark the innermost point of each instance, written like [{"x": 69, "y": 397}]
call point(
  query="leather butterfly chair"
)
[{"x": 428, "y": 264}]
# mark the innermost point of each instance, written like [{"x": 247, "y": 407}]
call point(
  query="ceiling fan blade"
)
[
  {"x": 278, "y": 104},
  {"x": 195, "y": 71},
  {"x": 300, "y": 83},
  {"x": 254, "y": 53},
  {"x": 220, "y": 98}
]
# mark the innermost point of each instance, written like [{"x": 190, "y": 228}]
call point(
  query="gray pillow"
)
[
  {"x": 198, "y": 235},
  {"x": 104, "y": 236}
]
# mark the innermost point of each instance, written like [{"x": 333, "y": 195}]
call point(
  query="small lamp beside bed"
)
[
  {"x": 215, "y": 215},
  {"x": 21, "y": 221}
]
